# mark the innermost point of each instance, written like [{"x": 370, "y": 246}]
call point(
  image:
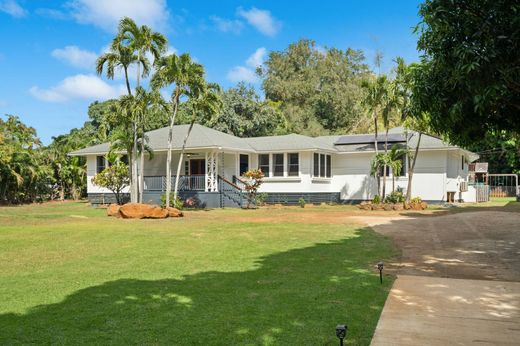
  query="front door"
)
[
  {"x": 197, "y": 174},
  {"x": 198, "y": 167}
]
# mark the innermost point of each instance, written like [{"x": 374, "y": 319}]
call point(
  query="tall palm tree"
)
[
  {"x": 395, "y": 162},
  {"x": 188, "y": 79},
  {"x": 140, "y": 39},
  {"x": 118, "y": 57},
  {"x": 203, "y": 104},
  {"x": 375, "y": 96}
]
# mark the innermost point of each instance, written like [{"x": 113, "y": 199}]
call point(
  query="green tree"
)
[
  {"x": 119, "y": 57},
  {"x": 204, "y": 103},
  {"x": 319, "y": 90},
  {"x": 115, "y": 178},
  {"x": 25, "y": 174},
  {"x": 140, "y": 40},
  {"x": 187, "y": 78},
  {"x": 469, "y": 77},
  {"x": 244, "y": 114},
  {"x": 375, "y": 101}
]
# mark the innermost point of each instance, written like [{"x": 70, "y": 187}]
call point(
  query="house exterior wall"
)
[
  {"x": 350, "y": 174},
  {"x": 351, "y": 177}
]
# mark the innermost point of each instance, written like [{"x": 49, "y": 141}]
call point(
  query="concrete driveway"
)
[{"x": 458, "y": 279}]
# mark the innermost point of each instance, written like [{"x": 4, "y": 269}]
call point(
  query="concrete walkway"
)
[
  {"x": 438, "y": 311},
  {"x": 458, "y": 280}
]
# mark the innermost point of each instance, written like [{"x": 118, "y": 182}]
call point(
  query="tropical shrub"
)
[
  {"x": 301, "y": 202},
  {"x": 416, "y": 200},
  {"x": 115, "y": 178},
  {"x": 175, "y": 203},
  {"x": 376, "y": 199},
  {"x": 253, "y": 181},
  {"x": 395, "y": 197},
  {"x": 260, "y": 198}
]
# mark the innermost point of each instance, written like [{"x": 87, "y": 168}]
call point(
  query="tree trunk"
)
[
  {"x": 385, "y": 166},
  {"x": 179, "y": 165},
  {"x": 127, "y": 82},
  {"x": 141, "y": 176},
  {"x": 136, "y": 174},
  {"x": 377, "y": 151},
  {"x": 384, "y": 183},
  {"x": 134, "y": 191},
  {"x": 169, "y": 154},
  {"x": 411, "y": 168}
]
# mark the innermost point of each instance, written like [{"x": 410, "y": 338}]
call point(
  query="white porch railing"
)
[{"x": 186, "y": 183}]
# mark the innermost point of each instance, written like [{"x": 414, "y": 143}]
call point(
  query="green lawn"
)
[{"x": 70, "y": 275}]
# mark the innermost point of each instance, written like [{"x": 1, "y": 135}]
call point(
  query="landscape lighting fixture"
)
[
  {"x": 380, "y": 266},
  {"x": 341, "y": 332}
]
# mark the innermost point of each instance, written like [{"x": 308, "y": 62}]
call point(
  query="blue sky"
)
[{"x": 48, "y": 48}]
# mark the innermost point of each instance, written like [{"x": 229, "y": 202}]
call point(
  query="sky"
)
[{"x": 48, "y": 48}]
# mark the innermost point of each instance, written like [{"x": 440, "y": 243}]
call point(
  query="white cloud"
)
[
  {"x": 242, "y": 74},
  {"x": 257, "y": 58},
  {"x": 78, "y": 87},
  {"x": 227, "y": 25},
  {"x": 262, "y": 20},
  {"x": 76, "y": 57},
  {"x": 106, "y": 14},
  {"x": 247, "y": 73},
  {"x": 51, "y": 13},
  {"x": 12, "y": 8}
]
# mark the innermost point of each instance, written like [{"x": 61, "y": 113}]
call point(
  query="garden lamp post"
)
[
  {"x": 341, "y": 332},
  {"x": 380, "y": 266}
]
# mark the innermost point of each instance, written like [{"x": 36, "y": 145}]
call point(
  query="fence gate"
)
[{"x": 503, "y": 185}]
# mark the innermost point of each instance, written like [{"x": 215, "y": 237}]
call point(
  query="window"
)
[
  {"x": 278, "y": 165},
  {"x": 243, "y": 164},
  {"x": 322, "y": 165},
  {"x": 294, "y": 164},
  {"x": 100, "y": 164},
  {"x": 328, "y": 169},
  {"x": 316, "y": 165},
  {"x": 462, "y": 162},
  {"x": 263, "y": 163}
]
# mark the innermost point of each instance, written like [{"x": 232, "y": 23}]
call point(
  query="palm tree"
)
[
  {"x": 375, "y": 97},
  {"x": 188, "y": 79},
  {"x": 140, "y": 40},
  {"x": 118, "y": 57},
  {"x": 395, "y": 162},
  {"x": 205, "y": 103}
]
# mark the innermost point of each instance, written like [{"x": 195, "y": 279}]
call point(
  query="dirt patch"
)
[{"x": 471, "y": 245}]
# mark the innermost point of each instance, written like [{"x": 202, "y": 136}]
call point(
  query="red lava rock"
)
[
  {"x": 113, "y": 210},
  {"x": 174, "y": 212}
]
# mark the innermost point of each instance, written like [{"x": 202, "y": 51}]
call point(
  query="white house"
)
[{"x": 319, "y": 169}]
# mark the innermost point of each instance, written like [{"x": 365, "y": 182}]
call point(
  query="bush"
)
[
  {"x": 395, "y": 197},
  {"x": 301, "y": 202},
  {"x": 260, "y": 198},
  {"x": 376, "y": 199},
  {"x": 179, "y": 204},
  {"x": 416, "y": 200}
]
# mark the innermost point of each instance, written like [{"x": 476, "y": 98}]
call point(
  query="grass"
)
[{"x": 288, "y": 276}]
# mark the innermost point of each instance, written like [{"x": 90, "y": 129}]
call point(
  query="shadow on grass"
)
[{"x": 291, "y": 298}]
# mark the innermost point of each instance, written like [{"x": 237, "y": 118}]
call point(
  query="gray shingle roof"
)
[
  {"x": 203, "y": 137},
  {"x": 287, "y": 142}
]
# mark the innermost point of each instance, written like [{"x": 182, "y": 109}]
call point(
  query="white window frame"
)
[
  {"x": 287, "y": 164},
  {"x": 319, "y": 177}
]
